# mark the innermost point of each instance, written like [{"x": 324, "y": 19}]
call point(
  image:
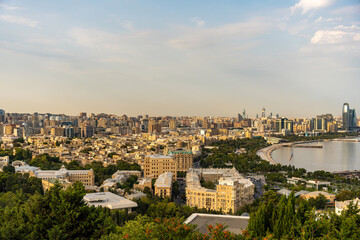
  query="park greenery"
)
[{"x": 321, "y": 136}]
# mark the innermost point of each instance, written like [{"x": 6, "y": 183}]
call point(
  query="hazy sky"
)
[{"x": 294, "y": 57}]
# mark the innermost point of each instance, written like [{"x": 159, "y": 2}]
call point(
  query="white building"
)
[{"x": 109, "y": 200}]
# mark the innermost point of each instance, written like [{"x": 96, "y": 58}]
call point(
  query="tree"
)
[
  {"x": 59, "y": 214},
  {"x": 8, "y": 168},
  {"x": 175, "y": 190},
  {"x": 345, "y": 195}
]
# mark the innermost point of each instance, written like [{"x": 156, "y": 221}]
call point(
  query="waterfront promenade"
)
[{"x": 265, "y": 153}]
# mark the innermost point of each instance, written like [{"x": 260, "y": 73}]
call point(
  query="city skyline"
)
[
  {"x": 296, "y": 58},
  {"x": 244, "y": 114}
]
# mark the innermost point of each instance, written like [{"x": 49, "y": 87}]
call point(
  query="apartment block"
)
[
  {"x": 183, "y": 159},
  {"x": 158, "y": 164},
  {"x": 163, "y": 185},
  {"x": 230, "y": 194}
]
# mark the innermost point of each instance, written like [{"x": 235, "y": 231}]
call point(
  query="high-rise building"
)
[
  {"x": 263, "y": 113},
  {"x": 82, "y": 115},
  {"x": 348, "y": 117},
  {"x": 345, "y": 116},
  {"x": 87, "y": 131},
  {"x": 352, "y": 118},
  {"x": 283, "y": 123},
  {"x": 172, "y": 124},
  {"x": 2, "y": 115}
]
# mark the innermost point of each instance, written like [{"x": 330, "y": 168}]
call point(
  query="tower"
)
[
  {"x": 263, "y": 113},
  {"x": 346, "y": 116}
]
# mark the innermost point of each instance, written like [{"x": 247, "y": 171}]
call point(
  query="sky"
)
[{"x": 296, "y": 58}]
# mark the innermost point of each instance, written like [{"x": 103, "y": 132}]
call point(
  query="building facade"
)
[
  {"x": 232, "y": 191},
  {"x": 87, "y": 177},
  {"x": 158, "y": 164},
  {"x": 183, "y": 159},
  {"x": 163, "y": 185}
]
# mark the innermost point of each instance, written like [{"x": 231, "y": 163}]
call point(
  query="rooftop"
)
[
  {"x": 109, "y": 200},
  {"x": 235, "y": 224},
  {"x": 164, "y": 180},
  {"x": 157, "y": 156}
]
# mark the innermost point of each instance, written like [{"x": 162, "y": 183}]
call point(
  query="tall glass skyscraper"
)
[
  {"x": 349, "y": 117},
  {"x": 345, "y": 116}
]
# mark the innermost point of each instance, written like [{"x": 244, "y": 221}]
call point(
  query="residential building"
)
[
  {"x": 172, "y": 124},
  {"x": 183, "y": 159},
  {"x": 232, "y": 190},
  {"x": 87, "y": 131},
  {"x": 163, "y": 185},
  {"x": 143, "y": 183},
  {"x": 330, "y": 198},
  {"x": 341, "y": 206},
  {"x": 158, "y": 164}
]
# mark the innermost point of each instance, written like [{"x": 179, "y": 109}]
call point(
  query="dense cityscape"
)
[
  {"x": 213, "y": 170},
  {"x": 179, "y": 120}
]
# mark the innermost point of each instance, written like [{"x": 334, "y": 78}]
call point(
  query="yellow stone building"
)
[
  {"x": 87, "y": 177},
  {"x": 158, "y": 164},
  {"x": 230, "y": 194},
  {"x": 183, "y": 159},
  {"x": 163, "y": 185},
  {"x": 178, "y": 160}
]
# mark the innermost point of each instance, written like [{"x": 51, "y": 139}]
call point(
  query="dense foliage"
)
[
  {"x": 296, "y": 138},
  {"x": 224, "y": 156},
  {"x": 57, "y": 214},
  {"x": 13, "y": 182},
  {"x": 288, "y": 218}
]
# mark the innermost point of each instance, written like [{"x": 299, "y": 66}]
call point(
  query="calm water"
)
[{"x": 334, "y": 156}]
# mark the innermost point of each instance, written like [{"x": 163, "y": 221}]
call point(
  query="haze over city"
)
[{"x": 296, "y": 58}]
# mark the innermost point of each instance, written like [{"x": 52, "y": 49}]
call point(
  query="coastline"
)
[{"x": 266, "y": 153}]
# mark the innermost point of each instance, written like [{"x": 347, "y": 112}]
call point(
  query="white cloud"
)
[
  {"x": 198, "y": 21},
  {"x": 7, "y": 7},
  {"x": 195, "y": 37},
  {"x": 128, "y": 25},
  {"x": 337, "y": 35},
  {"x": 327, "y": 20},
  {"x": 306, "y": 5},
  {"x": 19, "y": 20}
]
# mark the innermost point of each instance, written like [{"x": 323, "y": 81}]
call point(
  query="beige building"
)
[
  {"x": 341, "y": 206},
  {"x": 143, "y": 183},
  {"x": 330, "y": 198},
  {"x": 9, "y": 129},
  {"x": 183, "y": 159},
  {"x": 230, "y": 194},
  {"x": 57, "y": 131},
  {"x": 47, "y": 184},
  {"x": 172, "y": 124},
  {"x": 163, "y": 185},
  {"x": 87, "y": 177},
  {"x": 154, "y": 127},
  {"x": 158, "y": 164}
]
